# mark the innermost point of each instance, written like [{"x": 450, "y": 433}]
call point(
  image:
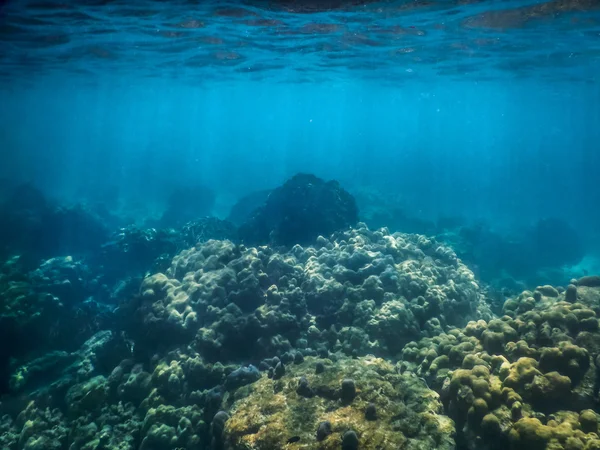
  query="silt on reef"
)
[{"x": 274, "y": 415}]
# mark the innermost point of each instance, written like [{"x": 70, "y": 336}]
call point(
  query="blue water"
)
[
  {"x": 141, "y": 300},
  {"x": 478, "y": 109}
]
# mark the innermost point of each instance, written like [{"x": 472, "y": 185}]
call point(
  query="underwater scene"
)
[{"x": 300, "y": 224}]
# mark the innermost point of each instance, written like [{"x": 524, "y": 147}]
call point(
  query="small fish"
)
[{"x": 293, "y": 439}]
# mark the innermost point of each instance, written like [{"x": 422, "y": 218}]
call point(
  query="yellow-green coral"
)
[
  {"x": 562, "y": 432},
  {"x": 274, "y": 415},
  {"x": 517, "y": 369}
]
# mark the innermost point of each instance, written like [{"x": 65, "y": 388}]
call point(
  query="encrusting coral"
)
[{"x": 237, "y": 347}]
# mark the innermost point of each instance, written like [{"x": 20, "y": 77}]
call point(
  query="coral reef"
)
[
  {"x": 170, "y": 405},
  {"x": 361, "y": 292},
  {"x": 302, "y": 209},
  {"x": 191, "y": 331},
  {"x": 228, "y": 346}
]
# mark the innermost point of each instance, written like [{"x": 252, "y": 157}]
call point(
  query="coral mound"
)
[
  {"x": 274, "y": 415},
  {"x": 361, "y": 292}
]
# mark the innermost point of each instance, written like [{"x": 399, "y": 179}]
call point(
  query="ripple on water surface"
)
[{"x": 298, "y": 40}]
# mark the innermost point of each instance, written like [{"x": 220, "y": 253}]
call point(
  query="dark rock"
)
[
  {"x": 327, "y": 392},
  {"x": 319, "y": 368},
  {"x": 309, "y": 352},
  {"x": 549, "y": 244},
  {"x": 589, "y": 281},
  {"x": 299, "y": 211},
  {"x": 279, "y": 371},
  {"x": 105, "y": 350},
  {"x": 217, "y": 429},
  {"x": 304, "y": 389},
  {"x": 588, "y": 421},
  {"x": 73, "y": 230},
  {"x": 25, "y": 197},
  {"x": 323, "y": 352},
  {"x": 350, "y": 440},
  {"x": 298, "y": 358},
  {"x": 241, "y": 377},
  {"x": 302, "y": 344},
  {"x": 371, "y": 412},
  {"x": 133, "y": 250},
  {"x": 323, "y": 430},
  {"x": 348, "y": 391},
  {"x": 218, "y": 423},
  {"x": 287, "y": 358},
  {"x": 47, "y": 367},
  {"x": 264, "y": 366},
  {"x": 571, "y": 293},
  {"x": 273, "y": 361},
  {"x": 213, "y": 398}
]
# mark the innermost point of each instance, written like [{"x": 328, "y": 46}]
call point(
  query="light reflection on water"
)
[{"x": 285, "y": 40}]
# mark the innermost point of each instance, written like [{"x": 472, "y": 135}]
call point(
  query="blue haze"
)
[
  {"x": 506, "y": 152},
  {"x": 508, "y": 134}
]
